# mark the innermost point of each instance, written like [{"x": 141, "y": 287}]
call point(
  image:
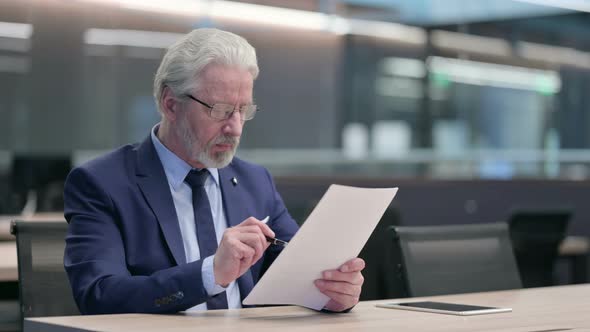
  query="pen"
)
[
  {"x": 272, "y": 240},
  {"x": 276, "y": 242}
]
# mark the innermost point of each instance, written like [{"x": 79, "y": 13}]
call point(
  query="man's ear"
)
[{"x": 170, "y": 104}]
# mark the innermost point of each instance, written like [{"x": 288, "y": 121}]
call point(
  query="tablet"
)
[{"x": 444, "y": 308}]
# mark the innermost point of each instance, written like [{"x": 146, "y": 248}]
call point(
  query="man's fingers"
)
[
  {"x": 262, "y": 226},
  {"x": 342, "y": 294},
  {"x": 335, "y": 306},
  {"x": 255, "y": 241},
  {"x": 246, "y": 229},
  {"x": 239, "y": 232},
  {"x": 353, "y": 265},
  {"x": 343, "y": 288},
  {"x": 246, "y": 256},
  {"x": 355, "y": 278},
  {"x": 241, "y": 250},
  {"x": 342, "y": 301},
  {"x": 230, "y": 259},
  {"x": 241, "y": 246},
  {"x": 252, "y": 239}
]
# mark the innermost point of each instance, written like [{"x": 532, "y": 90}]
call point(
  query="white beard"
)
[{"x": 201, "y": 153}]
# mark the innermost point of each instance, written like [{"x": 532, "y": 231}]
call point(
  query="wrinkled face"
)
[{"x": 210, "y": 142}]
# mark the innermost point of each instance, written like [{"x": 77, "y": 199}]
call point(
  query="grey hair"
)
[{"x": 186, "y": 59}]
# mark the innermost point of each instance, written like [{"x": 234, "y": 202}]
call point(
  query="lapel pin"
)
[{"x": 234, "y": 181}]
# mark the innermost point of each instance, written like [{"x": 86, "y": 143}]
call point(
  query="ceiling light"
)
[
  {"x": 480, "y": 73},
  {"x": 260, "y": 14},
  {"x": 176, "y": 7},
  {"x": 470, "y": 43},
  {"x": 16, "y": 30},
  {"x": 269, "y": 15},
  {"x": 554, "y": 54},
  {"x": 399, "y": 32},
  {"x": 405, "y": 67},
  {"x": 152, "y": 39}
]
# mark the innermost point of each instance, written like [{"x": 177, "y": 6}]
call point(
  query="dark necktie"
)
[{"x": 205, "y": 227}]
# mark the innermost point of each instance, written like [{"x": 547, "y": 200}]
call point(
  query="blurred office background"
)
[
  {"x": 477, "y": 110},
  {"x": 455, "y": 89}
]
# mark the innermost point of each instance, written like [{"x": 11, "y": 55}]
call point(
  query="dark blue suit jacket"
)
[{"x": 124, "y": 251}]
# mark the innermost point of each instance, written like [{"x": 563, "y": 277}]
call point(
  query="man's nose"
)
[{"x": 234, "y": 124}]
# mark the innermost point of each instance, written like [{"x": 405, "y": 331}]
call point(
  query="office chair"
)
[
  {"x": 9, "y": 316},
  {"x": 43, "y": 283},
  {"x": 536, "y": 236},
  {"x": 437, "y": 260},
  {"x": 379, "y": 264}
]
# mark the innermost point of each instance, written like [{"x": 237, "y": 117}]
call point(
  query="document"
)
[{"x": 335, "y": 232}]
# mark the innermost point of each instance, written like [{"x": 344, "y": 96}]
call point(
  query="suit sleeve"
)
[{"x": 94, "y": 260}]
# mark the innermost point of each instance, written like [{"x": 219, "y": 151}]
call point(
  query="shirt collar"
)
[{"x": 175, "y": 168}]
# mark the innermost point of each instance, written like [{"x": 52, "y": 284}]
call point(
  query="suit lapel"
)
[
  {"x": 231, "y": 195},
  {"x": 153, "y": 183}
]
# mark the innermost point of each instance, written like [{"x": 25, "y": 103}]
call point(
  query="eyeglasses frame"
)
[{"x": 211, "y": 109}]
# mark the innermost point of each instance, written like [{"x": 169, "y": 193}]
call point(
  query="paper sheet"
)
[{"x": 334, "y": 233}]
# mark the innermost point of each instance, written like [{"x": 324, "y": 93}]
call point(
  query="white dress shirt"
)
[{"x": 176, "y": 170}]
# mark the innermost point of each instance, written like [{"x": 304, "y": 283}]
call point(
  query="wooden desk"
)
[
  {"x": 5, "y": 221},
  {"x": 576, "y": 249},
  {"x": 8, "y": 259},
  {"x": 575, "y": 245},
  {"x": 535, "y": 309},
  {"x": 8, "y": 262}
]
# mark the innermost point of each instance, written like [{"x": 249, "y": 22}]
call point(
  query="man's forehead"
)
[{"x": 221, "y": 80}]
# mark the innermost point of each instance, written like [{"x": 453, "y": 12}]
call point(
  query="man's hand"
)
[
  {"x": 342, "y": 286},
  {"x": 241, "y": 246}
]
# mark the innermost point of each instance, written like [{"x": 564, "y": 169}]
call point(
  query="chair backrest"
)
[
  {"x": 43, "y": 283},
  {"x": 454, "y": 259},
  {"x": 536, "y": 236},
  {"x": 380, "y": 265}
]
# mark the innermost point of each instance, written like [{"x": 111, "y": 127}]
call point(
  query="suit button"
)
[{"x": 179, "y": 295}]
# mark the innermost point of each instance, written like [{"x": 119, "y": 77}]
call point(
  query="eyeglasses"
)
[{"x": 225, "y": 111}]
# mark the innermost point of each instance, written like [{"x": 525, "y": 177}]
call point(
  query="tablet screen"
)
[{"x": 444, "y": 306}]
